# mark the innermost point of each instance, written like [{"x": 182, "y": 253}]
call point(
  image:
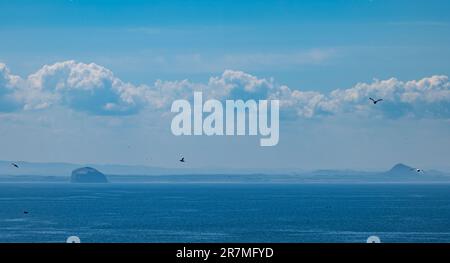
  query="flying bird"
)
[
  {"x": 182, "y": 160},
  {"x": 375, "y": 101},
  {"x": 15, "y": 165}
]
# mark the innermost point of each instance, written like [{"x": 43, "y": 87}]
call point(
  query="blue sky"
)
[{"x": 316, "y": 47}]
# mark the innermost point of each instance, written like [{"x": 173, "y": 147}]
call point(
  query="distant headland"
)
[{"x": 87, "y": 175}]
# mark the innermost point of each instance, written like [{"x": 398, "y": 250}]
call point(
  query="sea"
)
[{"x": 241, "y": 212}]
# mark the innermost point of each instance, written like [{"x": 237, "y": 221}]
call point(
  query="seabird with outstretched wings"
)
[{"x": 375, "y": 101}]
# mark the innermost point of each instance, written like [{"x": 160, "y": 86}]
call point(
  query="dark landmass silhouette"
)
[
  {"x": 87, "y": 175},
  {"x": 401, "y": 170}
]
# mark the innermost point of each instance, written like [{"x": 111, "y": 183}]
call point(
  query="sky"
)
[{"x": 93, "y": 81}]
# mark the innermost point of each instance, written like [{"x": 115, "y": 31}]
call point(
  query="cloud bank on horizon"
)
[{"x": 95, "y": 90}]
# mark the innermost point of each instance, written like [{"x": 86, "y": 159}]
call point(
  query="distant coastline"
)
[{"x": 60, "y": 173}]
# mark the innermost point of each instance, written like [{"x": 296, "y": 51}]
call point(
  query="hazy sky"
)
[{"x": 114, "y": 68}]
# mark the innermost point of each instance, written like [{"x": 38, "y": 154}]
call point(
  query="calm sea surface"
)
[{"x": 224, "y": 212}]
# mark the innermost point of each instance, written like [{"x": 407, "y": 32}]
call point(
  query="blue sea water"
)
[{"x": 224, "y": 212}]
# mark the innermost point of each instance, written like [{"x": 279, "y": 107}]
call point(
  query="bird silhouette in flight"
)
[
  {"x": 417, "y": 170},
  {"x": 15, "y": 165},
  {"x": 182, "y": 160},
  {"x": 375, "y": 101}
]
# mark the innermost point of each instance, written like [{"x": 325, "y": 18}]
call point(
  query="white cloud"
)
[
  {"x": 8, "y": 87},
  {"x": 94, "y": 89},
  {"x": 426, "y": 97},
  {"x": 239, "y": 85},
  {"x": 85, "y": 87}
]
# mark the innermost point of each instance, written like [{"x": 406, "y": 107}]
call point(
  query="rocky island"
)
[{"x": 87, "y": 175}]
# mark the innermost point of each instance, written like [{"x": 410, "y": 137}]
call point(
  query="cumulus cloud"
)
[
  {"x": 84, "y": 87},
  {"x": 239, "y": 85},
  {"x": 94, "y": 89},
  {"x": 426, "y": 97},
  {"x": 8, "y": 87}
]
